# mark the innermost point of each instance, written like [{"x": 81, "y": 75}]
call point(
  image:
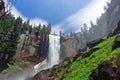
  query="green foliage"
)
[
  {"x": 9, "y": 36},
  {"x": 27, "y": 62},
  {"x": 82, "y": 67},
  {"x": 42, "y": 29},
  {"x": 10, "y": 30},
  {"x": 26, "y": 26},
  {"x": 65, "y": 62},
  {"x": 14, "y": 66}
]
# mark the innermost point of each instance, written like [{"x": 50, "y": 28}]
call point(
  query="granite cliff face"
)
[
  {"x": 31, "y": 46},
  {"x": 72, "y": 45},
  {"x": 68, "y": 47}
]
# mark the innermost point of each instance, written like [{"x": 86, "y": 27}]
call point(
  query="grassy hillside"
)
[{"x": 81, "y": 68}]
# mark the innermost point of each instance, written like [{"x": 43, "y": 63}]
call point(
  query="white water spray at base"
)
[{"x": 53, "y": 58}]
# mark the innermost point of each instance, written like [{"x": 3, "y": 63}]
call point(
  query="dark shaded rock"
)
[
  {"x": 94, "y": 42},
  {"x": 118, "y": 68},
  {"x": 94, "y": 75},
  {"x": 43, "y": 75},
  {"x": 44, "y": 44},
  {"x": 103, "y": 72},
  {"x": 75, "y": 58},
  {"x": 106, "y": 71},
  {"x": 90, "y": 52},
  {"x": 81, "y": 50},
  {"x": 117, "y": 30},
  {"x": 116, "y": 42},
  {"x": 118, "y": 61}
]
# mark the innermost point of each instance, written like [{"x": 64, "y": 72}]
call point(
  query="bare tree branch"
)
[{"x": 8, "y": 7}]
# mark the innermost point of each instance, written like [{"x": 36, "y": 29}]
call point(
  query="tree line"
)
[{"x": 10, "y": 30}]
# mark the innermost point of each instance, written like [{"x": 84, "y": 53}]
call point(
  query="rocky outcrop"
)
[
  {"x": 108, "y": 70},
  {"x": 87, "y": 54},
  {"x": 94, "y": 42},
  {"x": 43, "y": 75},
  {"x": 116, "y": 42}
]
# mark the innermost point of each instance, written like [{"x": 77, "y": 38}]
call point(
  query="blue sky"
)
[
  {"x": 53, "y": 11},
  {"x": 64, "y": 15}
]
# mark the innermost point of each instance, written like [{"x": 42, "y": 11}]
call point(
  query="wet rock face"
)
[
  {"x": 106, "y": 71},
  {"x": 116, "y": 42}
]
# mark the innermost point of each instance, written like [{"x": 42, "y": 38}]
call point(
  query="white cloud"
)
[
  {"x": 37, "y": 21},
  {"x": 33, "y": 21},
  {"x": 91, "y": 12},
  {"x": 56, "y": 29}
]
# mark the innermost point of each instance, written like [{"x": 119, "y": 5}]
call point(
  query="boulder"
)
[
  {"x": 118, "y": 69},
  {"x": 103, "y": 72},
  {"x": 90, "y": 52},
  {"x": 106, "y": 71},
  {"x": 43, "y": 75},
  {"x": 118, "y": 61},
  {"x": 116, "y": 42},
  {"x": 94, "y": 42}
]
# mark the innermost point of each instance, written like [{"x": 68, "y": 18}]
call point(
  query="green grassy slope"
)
[{"x": 82, "y": 67}]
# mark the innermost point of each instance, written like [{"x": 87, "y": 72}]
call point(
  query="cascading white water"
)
[
  {"x": 54, "y": 50},
  {"x": 53, "y": 58}
]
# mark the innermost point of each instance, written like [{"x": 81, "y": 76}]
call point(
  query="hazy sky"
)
[{"x": 64, "y": 15}]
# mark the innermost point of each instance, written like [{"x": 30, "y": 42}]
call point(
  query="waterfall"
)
[
  {"x": 53, "y": 54},
  {"x": 53, "y": 58},
  {"x": 54, "y": 50}
]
